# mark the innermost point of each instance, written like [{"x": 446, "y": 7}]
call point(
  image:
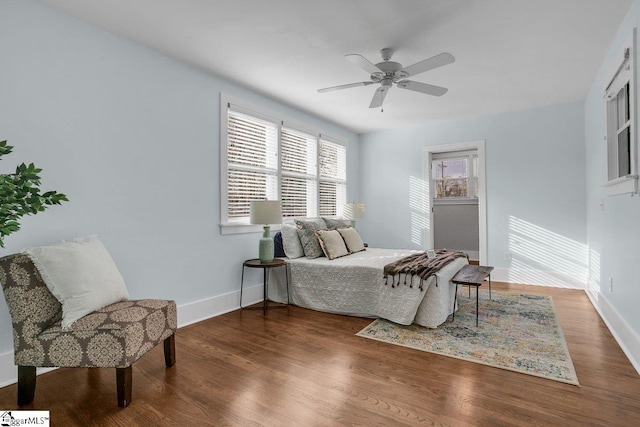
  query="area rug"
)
[{"x": 517, "y": 332}]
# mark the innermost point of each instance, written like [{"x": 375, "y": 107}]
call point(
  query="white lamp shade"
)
[
  {"x": 353, "y": 211},
  {"x": 266, "y": 212}
]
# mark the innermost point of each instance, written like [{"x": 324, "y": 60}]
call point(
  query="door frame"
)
[{"x": 427, "y": 154}]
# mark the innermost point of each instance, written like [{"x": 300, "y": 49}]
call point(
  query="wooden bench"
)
[{"x": 471, "y": 275}]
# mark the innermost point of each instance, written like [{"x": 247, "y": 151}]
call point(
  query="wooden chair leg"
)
[
  {"x": 170, "y": 351},
  {"x": 26, "y": 384},
  {"x": 124, "y": 383}
]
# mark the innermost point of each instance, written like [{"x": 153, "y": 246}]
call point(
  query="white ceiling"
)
[{"x": 510, "y": 54}]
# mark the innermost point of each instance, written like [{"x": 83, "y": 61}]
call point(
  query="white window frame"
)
[
  {"x": 227, "y": 102},
  {"x": 622, "y": 73},
  {"x": 472, "y": 177}
]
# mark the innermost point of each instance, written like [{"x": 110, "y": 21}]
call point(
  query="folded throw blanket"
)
[{"x": 420, "y": 265}]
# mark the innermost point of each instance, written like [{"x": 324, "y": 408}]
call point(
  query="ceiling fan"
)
[{"x": 387, "y": 72}]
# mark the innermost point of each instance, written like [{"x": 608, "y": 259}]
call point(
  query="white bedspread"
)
[{"x": 354, "y": 285}]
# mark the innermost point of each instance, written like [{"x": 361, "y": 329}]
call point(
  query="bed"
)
[{"x": 354, "y": 285}]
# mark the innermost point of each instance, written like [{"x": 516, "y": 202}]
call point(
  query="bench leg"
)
[
  {"x": 124, "y": 384},
  {"x": 170, "y": 351},
  {"x": 477, "y": 311},
  {"x": 455, "y": 299},
  {"x": 26, "y": 384}
]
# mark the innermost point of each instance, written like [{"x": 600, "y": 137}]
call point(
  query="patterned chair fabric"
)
[{"x": 114, "y": 336}]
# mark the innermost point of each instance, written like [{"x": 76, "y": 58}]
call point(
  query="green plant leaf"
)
[{"x": 20, "y": 195}]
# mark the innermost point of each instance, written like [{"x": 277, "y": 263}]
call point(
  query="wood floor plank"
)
[{"x": 300, "y": 367}]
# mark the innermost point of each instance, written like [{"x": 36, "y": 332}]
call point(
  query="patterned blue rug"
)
[{"x": 517, "y": 332}]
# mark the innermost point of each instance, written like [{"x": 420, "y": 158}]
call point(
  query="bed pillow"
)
[
  {"x": 307, "y": 233},
  {"x": 335, "y": 223},
  {"x": 81, "y": 275},
  {"x": 291, "y": 241},
  {"x": 352, "y": 239},
  {"x": 332, "y": 243}
]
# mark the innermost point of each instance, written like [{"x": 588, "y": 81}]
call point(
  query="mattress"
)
[{"x": 354, "y": 285}]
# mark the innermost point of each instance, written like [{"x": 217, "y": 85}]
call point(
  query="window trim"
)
[
  {"x": 243, "y": 107},
  {"x": 628, "y": 183}
]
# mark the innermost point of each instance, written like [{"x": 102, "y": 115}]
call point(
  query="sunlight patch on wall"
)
[
  {"x": 419, "y": 205},
  {"x": 540, "y": 256}
]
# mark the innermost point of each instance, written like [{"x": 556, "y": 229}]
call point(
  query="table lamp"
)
[
  {"x": 266, "y": 212},
  {"x": 353, "y": 212}
]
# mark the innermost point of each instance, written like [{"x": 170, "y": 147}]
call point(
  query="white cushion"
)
[
  {"x": 81, "y": 275},
  {"x": 352, "y": 239},
  {"x": 291, "y": 242},
  {"x": 332, "y": 243}
]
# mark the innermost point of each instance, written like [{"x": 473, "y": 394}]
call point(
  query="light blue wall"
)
[
  {"x": 535, "y": 186},
  {"x": 613, "y": 233},
  {"x": 132, "y": 137}
]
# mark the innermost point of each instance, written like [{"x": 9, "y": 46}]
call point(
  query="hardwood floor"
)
[{"x": 297, "y": 367}]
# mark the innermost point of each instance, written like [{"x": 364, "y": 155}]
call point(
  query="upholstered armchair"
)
[{"x": 114, "y": 336}]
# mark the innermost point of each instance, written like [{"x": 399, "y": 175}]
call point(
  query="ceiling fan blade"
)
[
  {"x": 422, "y": 87},
  {"x": 362, "y": 62},
  {"x": 429, "y": 64},
  {"x": 347, "y": 86},
  {"x": 378, "y": 97}
]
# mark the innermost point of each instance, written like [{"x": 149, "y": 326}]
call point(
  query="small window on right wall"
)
[{"x": 620, "y": 98}]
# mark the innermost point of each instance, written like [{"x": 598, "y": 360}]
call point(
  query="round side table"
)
[{"x": 266, "y": 266}]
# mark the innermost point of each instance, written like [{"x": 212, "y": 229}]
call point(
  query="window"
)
[
  {"x": 621, "y": 128},
  {"x": 252, "y": 158},
  {"x": 266, "y": 158},
  {"x": 332, "y": 178},
  {"x": 455, "y": 175}
]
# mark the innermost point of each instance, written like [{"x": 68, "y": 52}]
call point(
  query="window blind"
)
[
  {"x": 299, "y": 170},
  {"x": 333, "y": 177},
  {"x": 252, "y": 156},
  {"x": 266, "y": 158}
]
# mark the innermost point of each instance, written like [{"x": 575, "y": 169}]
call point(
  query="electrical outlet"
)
[
  {"x": 507, "y": 256},
  {"x": 610, "y": 284}
]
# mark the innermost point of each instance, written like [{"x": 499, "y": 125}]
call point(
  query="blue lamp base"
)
[{"x": 266, "y": 248}]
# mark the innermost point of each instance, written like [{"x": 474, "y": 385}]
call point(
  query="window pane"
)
[
  {"x": 332, "y": 198},
  {"x": 333, "y": 160},
  {"x": 624, "y": 153},
  {"x": 245, "y": 186},
  {"x": 298, "y": 197},
  {"x": 251, "y": 141},
  {"x": 451, "y": 188},
  {"x": 450, "y": 177},
  {"x": 621, "y": 101},
  {"x": 299, "y": 152}
]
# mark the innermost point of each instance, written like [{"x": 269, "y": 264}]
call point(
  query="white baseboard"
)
[
  {"x": 537, "y": 277},
  {"x": 626, "y": 337},
  {"x": 187, "y": 314}
]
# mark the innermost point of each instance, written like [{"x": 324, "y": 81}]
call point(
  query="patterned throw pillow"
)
[
  {"x": 335, "y": 223},
  {"x": 307, "y": 233},
  {"x": 352, "y": 239},
  {"x": 332, "y": 243}
]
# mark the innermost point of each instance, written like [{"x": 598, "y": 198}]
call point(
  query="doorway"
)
[{"x": 456, "y": 197}]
